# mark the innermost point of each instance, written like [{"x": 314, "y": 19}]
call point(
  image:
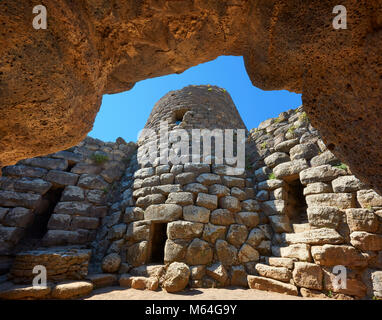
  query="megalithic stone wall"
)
[
  {"x": 68, "y": 192},
  {"x": 282, "y": 225}
]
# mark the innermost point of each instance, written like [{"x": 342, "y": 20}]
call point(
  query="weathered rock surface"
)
[
  {"x": 64, "y": 114},
  {"x": 261, "y": 283},
  {"x": 176, "y": 277}
]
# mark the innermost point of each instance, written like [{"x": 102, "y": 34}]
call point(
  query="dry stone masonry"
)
[{"x": 96, "y": 216}]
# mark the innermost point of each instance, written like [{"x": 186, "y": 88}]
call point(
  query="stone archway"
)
[{"x": 52, "y": 81}]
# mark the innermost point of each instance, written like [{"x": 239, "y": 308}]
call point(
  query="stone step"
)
[
  {"x": 300, "y": 227},
  {"x": 66, "y": 290},
  {"x": 61, "y": 263},
  {"x": 101, "y": 280},
  {"x": 266, "y": 284}
]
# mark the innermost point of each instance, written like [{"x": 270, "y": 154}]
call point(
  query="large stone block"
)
[
  {"x": 137, "y": 254},
  {"x": 60, "y": 237},
  {"x": 346, "y": 184},
  {"x": 84, "y": 223},
  {"x": 231, "y": 182},
  {"x": 207, "y": 200},
  {"x": 32, "y": 185},
  {"x": 73, "y": 193},
  {"x": 315, "y": 236},
  {"x": 250, "y": 205},
  {"x": 59, "y": 221},
  {"x": 249, "y": 219},
  {"x": 175, "y": 250},
  {"x": 199, "y": 252},
  {"x": 163, "y": 212},
  {"x": 270, "y": 184},
  {"x": 19, "y": 217},
  {"x": 73, "y": 208},
  {"x": 290, "y": 170},
  {"x": 218, "y": 272},
  {"x": 180, "y": 198},
  {"x": 317, "y": 187},
  {"x": 304, "y": 151},
  {"x": 324, "y": 216},
  {"x": 208, "y": 179},
  {"x": 212, "y": 232},
  {"x": 176, "y": 277},
  {"x": 195, "y": 188},
  {"x": 166, "y": 189},
  {"x": 222, "y": 217},
  {"x": 60, "y": 178},
  {"x": 186, "y": 178},
  {"x": 338, "y": 200},
  {"x": 255, "y": 237},
  {"x": 276, "y": 158},
  {"x": 322, "y": 173},
  {"x": 18, "y": 199},
  {"x": 294, "y": 251},
  {"x": 369, "y": 198},
  {"x": 274, "y": 207},
  {"x": 366, "y": 241},
  {"x": 24, "y": 171},
  {"x": 219, "y": 190},
  {"x": 198, "y": 168},
  {"x": 151, "y": 199},
  {"x": 237, "y": 234},
  {"x": 227, "y": 254},
  {"x": 90, "y": 181},
  {"x": 277, "y": 273},
  {"x": 46, "y": 163},
  {"x": 362, "y": 220},
  {"x": 196, "y": 214},
  {"x": 261, "y": 283},
  {"x": 138, "y": 231},
  {"x": 280, "y": 224},
  {"x": 247, "y": 254},
  {"x": 72, "y": 290},
  {"x": 230, "y": 203},
  {"x": 332, "y": 255},
  {"x": 184, "y": 230},
  {"x": 307, "y": 275}
]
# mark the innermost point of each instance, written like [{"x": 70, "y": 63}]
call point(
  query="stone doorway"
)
[
  {"x": 36, "y": 231},
  {"x": 297, "y": 205},
  {"x": 158, "y": 242}
]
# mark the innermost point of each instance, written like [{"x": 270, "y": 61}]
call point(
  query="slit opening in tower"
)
[
  {"x": 42, "y": 214},
  {"x": 159, "y": 237},
  {"x": 297, "y": 206}
]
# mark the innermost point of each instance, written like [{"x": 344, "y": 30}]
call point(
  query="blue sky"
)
[{"x": 124, "y": 114}]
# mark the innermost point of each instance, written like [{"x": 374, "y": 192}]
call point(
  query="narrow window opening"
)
[
  {"x": 159, "y": 238},
  {"x": 178, "y": 116},
  {"x": 297, "y": 205}
]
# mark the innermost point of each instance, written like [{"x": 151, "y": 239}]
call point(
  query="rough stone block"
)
[
  {"x": 277, "y": 273},
  {"x": 184, "y": 230},
  {"x": 261, "y": 283},
  {"x": 207, "y": 200},
  {"x": 60, "y": 178},
  {"x": 307, "y": 275},
  {"x": 332, "y": 255},
  {"x": 163, "y": 212},
  {"x": 196, "y": 214},
  {"x": 362, "y": 220}
]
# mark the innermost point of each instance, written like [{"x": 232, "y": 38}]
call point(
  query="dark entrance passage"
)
[
  {"x": 158, "y": 242},
  {"x": 36, "y": 231},
  {"x": 296, "y": 202}
]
